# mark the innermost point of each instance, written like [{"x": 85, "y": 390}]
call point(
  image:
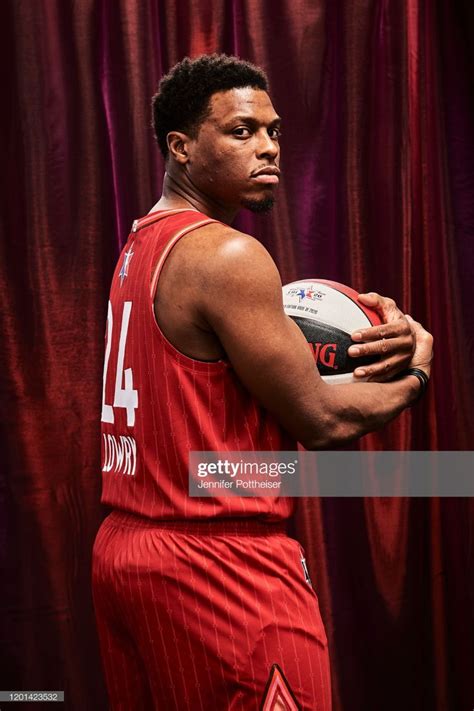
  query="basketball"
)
[{"x": 327, "y": 313}]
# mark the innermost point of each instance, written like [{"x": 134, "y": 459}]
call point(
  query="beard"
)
[{"x": 259, "y": 206}]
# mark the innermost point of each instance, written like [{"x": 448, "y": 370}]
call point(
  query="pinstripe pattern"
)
[
  {"x": 183, "y": 404},
  {"x": 210, "y": 607},
  {"x": 195, "y": 599}
]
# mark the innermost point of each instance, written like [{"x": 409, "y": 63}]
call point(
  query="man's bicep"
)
[{"x": 267, "y": 350}]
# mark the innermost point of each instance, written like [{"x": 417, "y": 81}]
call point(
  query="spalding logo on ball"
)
[{"x": 328, "y": 312}]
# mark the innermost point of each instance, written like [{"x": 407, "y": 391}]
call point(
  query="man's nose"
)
[{"x": 267, "y": 146}]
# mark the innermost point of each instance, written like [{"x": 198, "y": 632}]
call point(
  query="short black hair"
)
[{"x": 183, "y": 97}]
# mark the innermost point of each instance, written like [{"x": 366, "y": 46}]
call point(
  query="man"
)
[{"x": 204, "y": 603}]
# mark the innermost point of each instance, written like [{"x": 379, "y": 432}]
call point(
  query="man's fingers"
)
[
  {"x": 393, "y": 341},
  {"x": 383, "y": 347},
  {"x": 394, "y": 329},
  {"x": 385, "y": 307},
  {"x": 371, "y": 298},
  {"x": 384, "y": 370}
]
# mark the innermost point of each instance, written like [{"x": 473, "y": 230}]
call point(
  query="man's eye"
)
[
  {"x": 241, "y": 132},
  {"x": 274, "y": 133}
]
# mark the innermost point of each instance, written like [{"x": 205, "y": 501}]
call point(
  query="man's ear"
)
[{"x": 178, "y": 146}]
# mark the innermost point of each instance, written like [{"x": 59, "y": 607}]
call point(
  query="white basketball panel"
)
[{"x": 321, "y": 302}]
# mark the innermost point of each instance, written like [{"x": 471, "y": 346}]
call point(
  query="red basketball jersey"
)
[{"x": 159, "y": 404}]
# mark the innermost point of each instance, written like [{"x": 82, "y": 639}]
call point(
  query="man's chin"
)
[{"x": 259, "y": 206}]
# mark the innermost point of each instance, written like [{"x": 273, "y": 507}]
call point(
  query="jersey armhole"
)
[{"x": 184, "y": 360}]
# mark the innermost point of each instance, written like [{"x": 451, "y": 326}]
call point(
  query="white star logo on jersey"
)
[{"x": 126, "y": 263}]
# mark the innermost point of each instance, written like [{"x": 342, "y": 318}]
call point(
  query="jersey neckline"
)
[{"x": 157, "y": 215}]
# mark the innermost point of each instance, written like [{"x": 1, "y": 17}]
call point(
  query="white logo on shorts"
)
[{"x": 305, "y": 571}]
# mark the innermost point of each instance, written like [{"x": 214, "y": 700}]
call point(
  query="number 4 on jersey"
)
[{"x": 125, "y": 397}]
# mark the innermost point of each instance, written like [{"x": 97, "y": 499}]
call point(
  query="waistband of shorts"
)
[{"x": 204, "y": 527}]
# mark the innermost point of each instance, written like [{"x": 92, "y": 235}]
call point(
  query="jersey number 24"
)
[{"x": 124, "y": 396}]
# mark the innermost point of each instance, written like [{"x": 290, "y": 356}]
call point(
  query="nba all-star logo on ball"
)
[{"x": 308, "y": 292}]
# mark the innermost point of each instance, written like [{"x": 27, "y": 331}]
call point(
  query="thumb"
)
[{"x": 369, "y": 298}]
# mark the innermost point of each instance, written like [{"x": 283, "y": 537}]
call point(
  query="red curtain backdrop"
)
[{"x": 377, "y": 192}]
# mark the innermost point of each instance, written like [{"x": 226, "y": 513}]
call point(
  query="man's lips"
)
[{"x": 268, "y": 174}]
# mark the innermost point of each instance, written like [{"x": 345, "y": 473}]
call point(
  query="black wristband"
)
[{"x": 422, "y": 378}]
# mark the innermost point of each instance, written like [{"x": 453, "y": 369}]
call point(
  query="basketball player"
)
[{"x": 204, "y": 604}]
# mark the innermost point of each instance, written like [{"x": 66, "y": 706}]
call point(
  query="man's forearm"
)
[{"x": 353, "y": 410}]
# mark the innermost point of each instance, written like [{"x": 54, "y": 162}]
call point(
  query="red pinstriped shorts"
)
[{"x": 193, "y": 616}]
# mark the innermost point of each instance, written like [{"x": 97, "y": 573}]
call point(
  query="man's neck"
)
[{"x": 177, "y": 195}]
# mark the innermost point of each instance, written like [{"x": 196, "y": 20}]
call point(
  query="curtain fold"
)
[{"x": 377, "y": 191}]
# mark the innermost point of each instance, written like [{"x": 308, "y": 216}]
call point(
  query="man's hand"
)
[{"x": 394, "y": 340}]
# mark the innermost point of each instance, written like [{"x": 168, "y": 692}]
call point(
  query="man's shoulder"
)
[
  {"x": 222, "y": 273},
  {"x": 217, "y": 246},
  {"x": 232, "y": 269},
  {"x": 221, "y": 234}
]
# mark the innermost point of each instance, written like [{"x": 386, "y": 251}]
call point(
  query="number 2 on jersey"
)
[{"x": 125, "y": 397}]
